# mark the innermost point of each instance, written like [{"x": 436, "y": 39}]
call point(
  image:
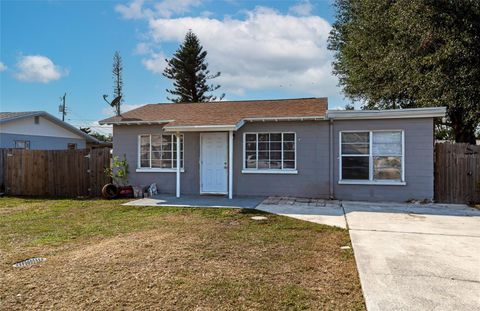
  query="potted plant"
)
[{"x": 119, "y": 174}]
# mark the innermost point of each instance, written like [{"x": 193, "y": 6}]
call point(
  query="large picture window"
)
[
  {"x": 372, "y": 156},
  {"x": 159, "y": 151},
  {"x": 269, "y": 151}
]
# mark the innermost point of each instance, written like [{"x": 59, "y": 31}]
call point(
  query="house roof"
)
[
  {"x": 222, "y": 115},
  {"x": 10, "y": 116},
  {"x": 231, "y": 115}
]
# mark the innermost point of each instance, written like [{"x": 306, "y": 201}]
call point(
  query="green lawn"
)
[{"x": 101, "y": 255}]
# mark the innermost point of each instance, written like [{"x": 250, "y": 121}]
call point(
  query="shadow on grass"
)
[{"x": 251, "y": 211}]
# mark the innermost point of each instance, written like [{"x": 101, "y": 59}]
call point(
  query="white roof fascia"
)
[
  {"x": 197, "y": 128},
  {"x": 135, "y": 122},
  {"x": 277, "y": 119},
  {"x": 70, "y": 127},
  {"x": 429, "y": 112}
]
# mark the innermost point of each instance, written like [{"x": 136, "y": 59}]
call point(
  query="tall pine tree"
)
[{"x": 189, "y": 71}]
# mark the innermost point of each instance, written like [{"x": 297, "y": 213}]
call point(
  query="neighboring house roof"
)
[
  {"x": 223, "y": 115},
  {"x": 231, "y": 115},
  {"x": 11, "y": 116}
]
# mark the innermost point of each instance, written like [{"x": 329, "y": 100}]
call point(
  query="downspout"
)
[
  {"x": 331, "y": 160},
  {"x": 178, "y": 164}
]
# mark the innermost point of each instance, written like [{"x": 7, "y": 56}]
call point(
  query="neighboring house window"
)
[
  {"x": 159, "y": 151},
  {"x": 372, "y": 156},
  {"x": 22, "y": 144},
  {"x": 269, "y": 151},
  {"x": 71, "y": 146},
  {"x": 36, "y": 119}
]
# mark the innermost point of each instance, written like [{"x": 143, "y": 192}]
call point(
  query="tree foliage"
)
[
  {"x": 97, "y": 135},
  {"x": 411, "y": 53},
  {"x": 117, "y": 71},
  {"x": 189, "y": 71}
]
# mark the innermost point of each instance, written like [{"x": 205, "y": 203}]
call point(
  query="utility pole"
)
[{"x": 63, "y": 107}]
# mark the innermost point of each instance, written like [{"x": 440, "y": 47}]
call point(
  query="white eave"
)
[
  {"x": 134, "y": 122},
  {"x": 430, "y": 112},
  {"x": 278, "y": 119},
  {"x": 200, "y": 128},
  {"x": 235, "y": 127}
]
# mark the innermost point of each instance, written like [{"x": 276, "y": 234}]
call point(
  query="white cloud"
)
[
  {"x": 156, "y": 63},
  {"x": 167, "y": 8},
  {"x": 266, "y": 50},
  {"x": 132, "y": 11},
  {"x": 164, "y": 9},
  {"x": 206, "y": 14},
  {"x": 38, "y": 68},
  {"x": 3, "y": 67},
  {"x": 303, "y": 8},
  {"x": 143, "y": 48}
]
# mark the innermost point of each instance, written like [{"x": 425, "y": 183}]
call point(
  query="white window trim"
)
[
  {"x": 246, "y": 170},
  {"x": 24, "y": 142},
  {"x": 151, "y": 169},
  {"x": 269, "y": 171},
  {"x": 158, "y": 170},
  {"x": 371, "y": 181}
]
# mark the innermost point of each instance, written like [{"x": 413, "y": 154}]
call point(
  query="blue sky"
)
[{"x": 264, "y": 49}]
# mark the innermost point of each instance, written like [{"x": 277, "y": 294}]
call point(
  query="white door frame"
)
[{"x": 201, "y": 162}]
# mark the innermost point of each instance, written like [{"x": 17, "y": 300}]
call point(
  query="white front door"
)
[{"x": 213, "y": 163}]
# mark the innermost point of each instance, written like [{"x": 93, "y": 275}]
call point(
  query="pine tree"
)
[
  {"x": 117, "y": 71},
  {"x": 189, "y": 71}
]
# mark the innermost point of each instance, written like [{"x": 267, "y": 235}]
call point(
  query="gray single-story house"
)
[
  {"x": 290, "y": 147},
  {"x": 39, "y": 130}
]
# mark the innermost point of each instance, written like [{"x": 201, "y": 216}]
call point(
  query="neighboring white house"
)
[{"x": 40, "y": 130}]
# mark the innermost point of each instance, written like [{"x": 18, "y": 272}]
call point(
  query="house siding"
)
[
  {"x": 419, "y": 146},
  {"x": 312, "y": 180},
  {"x": 37, "y": 142},
  {"x": 125, "y": 142}
]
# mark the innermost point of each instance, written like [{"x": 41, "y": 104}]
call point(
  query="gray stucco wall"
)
[
  {"x": 40, "y": 142},
  {"x": 312, "y": 162},
  {"x": 418, "y": 161},
  {"x": 125, "y": 139},
  {"x": 312, "y": 179}
]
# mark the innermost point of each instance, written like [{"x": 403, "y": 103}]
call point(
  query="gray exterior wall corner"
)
[{"x": 419, "y": 148}]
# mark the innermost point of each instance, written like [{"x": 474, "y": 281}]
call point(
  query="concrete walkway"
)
[
  {"x": 409, "y": 257},
  {"x": 326, "y": 212},
  {"x": 198, "y": 201}
]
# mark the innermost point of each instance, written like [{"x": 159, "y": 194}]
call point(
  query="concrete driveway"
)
[{"x": 409, "y": 257}]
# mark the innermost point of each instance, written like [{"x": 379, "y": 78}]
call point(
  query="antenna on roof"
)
[
  {"x": 115, "y": 102},
  {"x": 63, "y": 106}
]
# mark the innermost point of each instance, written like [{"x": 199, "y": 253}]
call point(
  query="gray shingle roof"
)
[{"x": 14, "y": 115}]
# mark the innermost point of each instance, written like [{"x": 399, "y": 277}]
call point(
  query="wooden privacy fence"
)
[
  {"x": 69, "y": 173},
  {"x": 457, "y": 173}
]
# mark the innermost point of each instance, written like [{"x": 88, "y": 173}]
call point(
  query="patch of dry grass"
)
[{"x": 105, "y": 256}]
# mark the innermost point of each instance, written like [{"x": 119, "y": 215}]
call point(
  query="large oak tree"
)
[{"x": 411, "y": 53}]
